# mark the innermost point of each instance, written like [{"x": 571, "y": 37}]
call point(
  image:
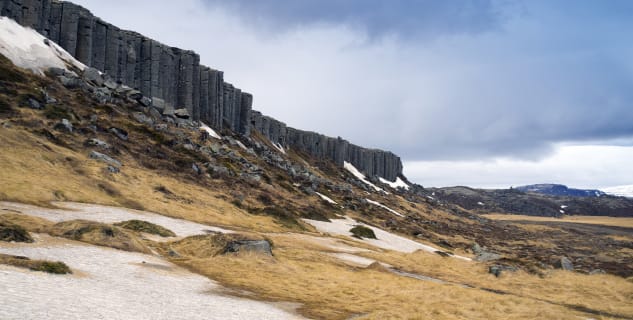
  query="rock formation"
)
[{"x": 175, "y": 78}]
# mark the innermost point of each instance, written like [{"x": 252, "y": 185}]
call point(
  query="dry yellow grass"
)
[
  {"x": 38, "y": 172},
  {"x": 328, "y": 289},
  {"x": 606, "y": 221}
]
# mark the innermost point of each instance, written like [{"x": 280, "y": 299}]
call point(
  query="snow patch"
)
[
  {"x": 106, "y": 214},
  {"x": 620, "y": 191},
  {"x": 326, "y": 198},
  {"x": 115, "y": 284},
  {"x": 396, "y": 184},
  {"x": 279, "y": 147},
  {"x": 239, "y": 143},
  {"x": 385, "y": 240},
  {"x": 359, "y": 175},
  {"x": 563, "y": 207},
  {"x": 561, "y": 211},
  {"x": 210, "y": 131},
  {"x": 480, "y": 203},
  {"x": 30, "y": 50},
  {"x": 385, "y": 207}
]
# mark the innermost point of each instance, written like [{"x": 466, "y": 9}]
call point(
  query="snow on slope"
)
[
  {"x": 30, "y": 50},
  {"x": 210, "y": 131},
  {"x": 359, "y": 175},
  {"x": 326, "y": 198},
  {"x": 115, "y": 284},
  {"x": 622, "y": 191},
  {"x": 396, "y": 184},
  {"x": 376, "y": 203}
]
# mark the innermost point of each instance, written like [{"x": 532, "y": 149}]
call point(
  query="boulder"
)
[
  {"x": 169, "y": 111},
  {"x": 158, "y": 103},
  {"x": 94, "y": 142},
  {"x": 564, "y": 263},
  {"x": 64, "y": 125},
  {"x": 56, "y": 72},
  {"x": 120, "y": 133},
  {"x": 497, "y": 269},
  {"x": 155, "y": 114},
  {"x": 258, "y": 246},
  {"x": 105, "y": 158},
  {"x": 182, "y": 113},
  {"x": 487, "y": 256},
  {"x": 134, "y": 95},
  {"x": 68, "y": 82},
  {"x": 145, "y": 101},
  {"x": 94, "y": 76},
  {"x": 142, "y": 118},
  {"x": 34, "y": 104}
]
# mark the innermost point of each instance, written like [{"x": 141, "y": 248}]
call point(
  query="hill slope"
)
[{"x": 73, "y": 135}]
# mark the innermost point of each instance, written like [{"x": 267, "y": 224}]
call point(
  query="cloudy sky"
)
[{"x": 467, "y": 92}]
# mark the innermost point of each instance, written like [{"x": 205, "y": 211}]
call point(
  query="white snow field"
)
[
  {"x": 114, "y": 284},
  {"x": 30, "y": 50},
  {"x": 621, "y": 191},
  {"x": 326, "y": 198},
  {"x": 106, "y": 214},
  {"x": 210, "y": 131},
  {"x": 385, "y": 240},
  {"x": 359, "y": 175},
  {"x": 376, "y": 203},
  {"x": 396, "y": 184}
]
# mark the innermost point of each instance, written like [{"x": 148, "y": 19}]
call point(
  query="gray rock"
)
[
  {"x": 218, "y": 171},
  {"x": 101, "y": 95},
  {"x": 145, "y": 101},
  {"x": 597, "y": 271},
  {"x": 161, "y": 127},
  {"x": 196, "y": 169},
  {"x": 56, "y": 72},
  {"x": 258, "y": 246},
  {"x": 94, "y": 76},
  {"x": 34, "y": 104},
  {"x": 69, "y": 83},
  {"x": 105, "y": 158},
  {"x": 64, "y": 125},
  {"x": 134, "y": 95},
  {"x": 142, "y": 118},
  {"x": 497, "y": 269},
  {"x": 110, "y": 84},
  {"x": 94, "y": 142},
  {"x": 158, "y": 103},
  {"x": 120, "y": 133},
  {"x": 169, "y": 111},
  {"x": 487, "y": 256},
  {"x": 564, "y": 263},
  {"x": 155, "y": 114},
  {"x": 113, "y": 169},
  {"x": 182, "y": 113}
]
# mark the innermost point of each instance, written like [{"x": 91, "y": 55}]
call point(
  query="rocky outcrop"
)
[{"x": 176, "y": 78}]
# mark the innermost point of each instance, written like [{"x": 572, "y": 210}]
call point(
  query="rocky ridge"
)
[{"x": 172, "y": 79}]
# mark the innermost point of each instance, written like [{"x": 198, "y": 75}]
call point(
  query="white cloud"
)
[{"x": 583, "y": 166}]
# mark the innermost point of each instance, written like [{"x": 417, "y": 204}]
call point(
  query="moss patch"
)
[
  {"x": 147, "y": 227},
  {"x": 54, "y": 267},
  {"x": 99, "y": 234},
  {"x": 12, "y": 232},
  {"x": 360, "y": 232}
]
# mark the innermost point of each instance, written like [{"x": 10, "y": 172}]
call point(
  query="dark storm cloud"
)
[{"x": 402, "y": 18}]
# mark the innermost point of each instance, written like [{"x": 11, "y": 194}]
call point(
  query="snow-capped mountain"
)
[{"x": 622, "y": 191}]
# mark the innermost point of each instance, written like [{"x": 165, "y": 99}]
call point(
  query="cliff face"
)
[{"x": 176, "y": 77}]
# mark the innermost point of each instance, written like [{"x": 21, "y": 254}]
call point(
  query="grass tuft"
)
[
  {"x": 147, "y": 227},
  {"x": 361, "y": 232}
]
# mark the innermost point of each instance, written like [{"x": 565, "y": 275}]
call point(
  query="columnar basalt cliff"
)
[{"x": 176, "y": 77}]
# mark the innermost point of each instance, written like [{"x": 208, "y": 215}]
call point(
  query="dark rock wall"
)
[{"x": 176, "y": 76}]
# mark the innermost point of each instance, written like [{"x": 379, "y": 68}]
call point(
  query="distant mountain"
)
[
  {"x": 560, "y": 190},
  {"x": 621, "y": 191}
]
